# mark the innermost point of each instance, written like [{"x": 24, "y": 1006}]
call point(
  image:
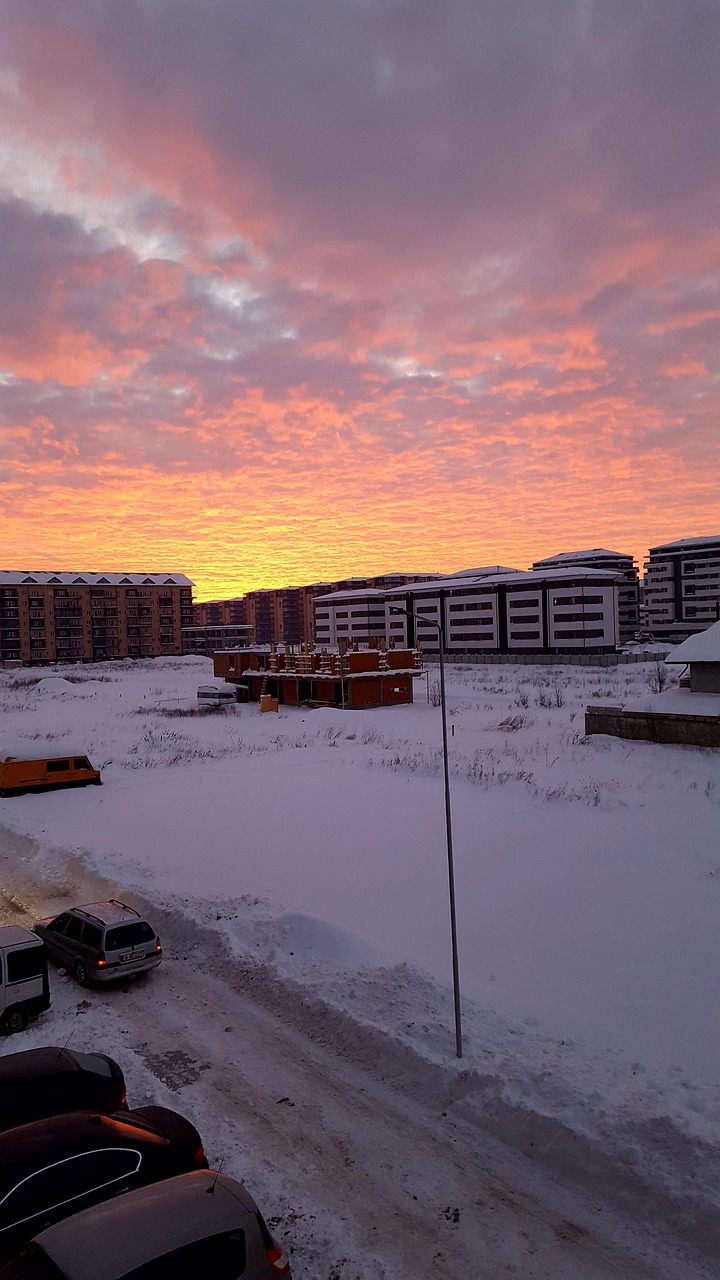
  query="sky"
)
[{"x": 297, "y": 289}]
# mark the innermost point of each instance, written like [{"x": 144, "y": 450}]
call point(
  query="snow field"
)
[{"x": 308, "y": 851}]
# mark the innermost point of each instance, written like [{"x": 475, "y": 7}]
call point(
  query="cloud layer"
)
[{"x": 290, "y": 291}]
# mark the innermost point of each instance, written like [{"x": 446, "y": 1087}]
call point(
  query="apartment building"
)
[
  {"x": 361, "y": 615},
  {"x": 351, "y": 615},
  {"x": 207, "y": 640},
  {"x": 682, "y": 588},
  {"x": 88, "y": 617},
  {"x": 570, "y": 610},
  {"x": 286, "y": 614},
  {"x": 263, "y": 613},
  {"x": 219, "y": 613},
  {"x": 615, "y": 562}
]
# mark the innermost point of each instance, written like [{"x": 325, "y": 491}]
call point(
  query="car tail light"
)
[
  {"x": 158, "y": 949},
  {"x": 123, "y": 1099},
  {"x": 278, "y": 1261},
  {"x": 100, "y": 963},
  {"x": 199, "y": 1158}
]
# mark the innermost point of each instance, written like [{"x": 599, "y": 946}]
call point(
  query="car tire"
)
[
  {"x": 96, "y": 782},
  {"x": 15, "y": 1019},
  {"x": 80, "y": 973}
]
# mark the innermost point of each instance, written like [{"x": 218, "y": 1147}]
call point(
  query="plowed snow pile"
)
[{"x": 298, "y": 861}]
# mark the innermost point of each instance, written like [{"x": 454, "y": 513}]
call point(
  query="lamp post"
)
[{"x": 448, "y": 826}]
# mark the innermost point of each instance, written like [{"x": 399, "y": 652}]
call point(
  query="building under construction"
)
[{"x": 302, "y": 676}]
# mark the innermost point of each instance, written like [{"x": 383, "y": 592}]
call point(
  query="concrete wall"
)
[
  {"x": 654, "y": 726},
  {"x": 548, "y": 659},
  {"x": 705, "y": 677}
]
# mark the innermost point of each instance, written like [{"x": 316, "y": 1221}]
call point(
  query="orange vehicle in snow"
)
[{"x": 21, "y": 773}]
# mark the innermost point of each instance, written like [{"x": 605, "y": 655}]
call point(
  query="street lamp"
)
[{"x": 448, "y": 825}]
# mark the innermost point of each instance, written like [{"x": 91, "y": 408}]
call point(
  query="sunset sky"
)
[{"x": 297, "y": 289}]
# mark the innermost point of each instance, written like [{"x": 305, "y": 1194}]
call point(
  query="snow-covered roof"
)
[
  {"x": 703, "y": 647},
  {"x": 69, "y": 579},
  {"x": 515, "y": 577},
  {"x": 677, "y": 702},
  {"x": 569, "y": 557},
  {"x": 17, "y": 748},
  {"x": 483, "y": 572},
  {"x": 375, "y": 593},
  {"x": 713, "y": 540}
]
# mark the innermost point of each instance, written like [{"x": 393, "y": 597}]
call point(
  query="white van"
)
[
  {"x": 24, "y": 990},
  {"x": 215, "y": 694}
]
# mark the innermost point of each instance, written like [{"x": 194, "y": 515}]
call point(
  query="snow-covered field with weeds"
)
[{"x": 307, "y": 851}]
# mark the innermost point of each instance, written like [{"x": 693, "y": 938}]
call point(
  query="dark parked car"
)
[
  {"x": 49, "y": 1081},
  {"x": 101, "y": 942},
  {"x": 198, "y": 1224},
  {"x": 52, "y": 1168}
]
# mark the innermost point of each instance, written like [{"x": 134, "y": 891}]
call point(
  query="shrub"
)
[{"x": 658, "y": 678}]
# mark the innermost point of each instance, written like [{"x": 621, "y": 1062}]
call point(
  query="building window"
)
[
  {"x": 525, "y": 617},
  {"x": 532, "y": 603},
  {"x": 579, "y": 617},
  {"x": 524, "y": 635},
  {"x": 577, "y": 600},
  {"x": 589, "y": 633}
]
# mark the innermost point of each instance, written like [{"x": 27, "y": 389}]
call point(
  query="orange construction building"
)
[{"x": 295, "y": 676}]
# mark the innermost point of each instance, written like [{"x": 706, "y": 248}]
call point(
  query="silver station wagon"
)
[{"x": 101, "y": 941}]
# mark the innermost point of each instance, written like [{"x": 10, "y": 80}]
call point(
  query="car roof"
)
[
  {"x": 12, "y": 935},
  {"x": 120, "y": 1234},
  {"x": 26, "y": 752},
  {"x": 31, "y": 1146},
  {"x": 109, "y": 912},
  {"x": 48, "y": 1060}
]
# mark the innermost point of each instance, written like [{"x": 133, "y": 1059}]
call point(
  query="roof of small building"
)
[
  {"x": 703, "y": 647},
  {"x": 27, "y": 577}
]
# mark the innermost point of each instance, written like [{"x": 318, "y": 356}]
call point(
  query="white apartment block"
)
[
  {"x": 615, "y": 562},
  {"x": 682, "y": 588},
  {"x": 570, "y": 610},
  {"x": 350, "y": 615}
]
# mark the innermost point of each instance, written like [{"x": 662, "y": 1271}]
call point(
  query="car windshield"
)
[{"x": 128, "y": 935}]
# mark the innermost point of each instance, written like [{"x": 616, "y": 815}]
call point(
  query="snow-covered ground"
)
[{"x": 297, "y": 865}]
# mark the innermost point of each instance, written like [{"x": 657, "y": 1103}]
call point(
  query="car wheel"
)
[
  {"x": 16, "y": 1019},
  {"x": 81, "y": 973}
]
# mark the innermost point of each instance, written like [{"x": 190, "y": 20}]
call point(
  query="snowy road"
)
[{"x": 361, "y": 1179}]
